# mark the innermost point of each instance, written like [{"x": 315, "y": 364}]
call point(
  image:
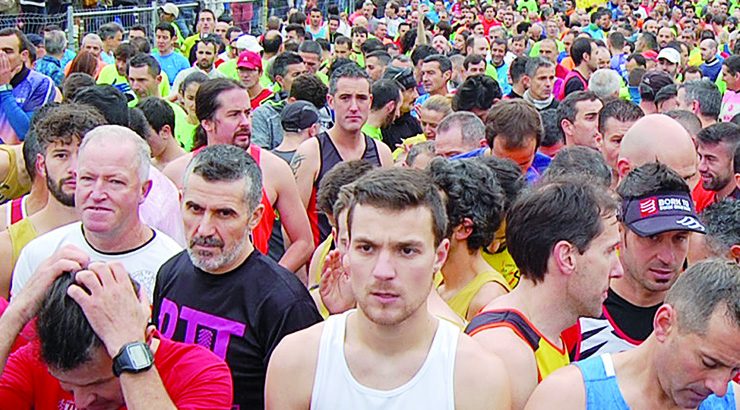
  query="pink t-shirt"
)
[
  {"x": 730, "y": 106},
  {"x": 161, "y": 208}
]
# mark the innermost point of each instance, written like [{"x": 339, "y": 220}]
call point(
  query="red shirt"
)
[
  {"x": 194, "y": 378},
  {"x": 27, "y": 334},
  {"x": 702, "y": 198},
  {"x": 257, "y": 100}
]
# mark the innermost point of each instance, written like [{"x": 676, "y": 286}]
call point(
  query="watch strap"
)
[{"x": 6, "y": 87}]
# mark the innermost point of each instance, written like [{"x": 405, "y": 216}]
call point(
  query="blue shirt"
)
[
  {"x": 540, "y": 161},
  {"x": 503, "y": 78},
  {"x": 51, "y": 67},
  {"x": 172, "y": 64},
  {"x": 30, "y": 91}
]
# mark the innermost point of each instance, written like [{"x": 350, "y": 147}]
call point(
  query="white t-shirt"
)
[
  {"x": 141, "y": 263},
  {"x": 161, "y": 208}
]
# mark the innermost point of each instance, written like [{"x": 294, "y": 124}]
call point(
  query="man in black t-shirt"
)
[
  {"x": 657, "y": 218},
  {"x": 221, "y": 292}
]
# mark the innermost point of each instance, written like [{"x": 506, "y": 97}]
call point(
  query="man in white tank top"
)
[{"x": 389, "y": 353}]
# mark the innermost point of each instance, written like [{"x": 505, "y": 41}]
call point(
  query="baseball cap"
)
[
  {"x": 661, "y": 212},
  {"x": 250, "y": 43},
  {"x": 654, "y": 80},
  {"x": 249, "y": 59},
  {"x": 298, "y": 116},
  {"x": 403, "y": 76},
  {"x": 670, "y": 54},
  {"x": 650, "y": 55},
  {"x": 170, "y": 8}
]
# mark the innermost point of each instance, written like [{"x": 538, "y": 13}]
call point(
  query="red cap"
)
[
  {"x": 249, "y": 60},
  {"x": 650, "y": 54}
]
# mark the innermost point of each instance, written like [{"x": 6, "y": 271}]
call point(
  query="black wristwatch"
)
[{"x": 133, "y": 357}]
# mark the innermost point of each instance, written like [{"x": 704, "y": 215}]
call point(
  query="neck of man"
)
[
  {"x": 345, "y": 139},
  {"x": 634, "y": 293},
  {"x": 291, "y": 141},
  {"x": 376, "y": 119},
  {"x": 266, "y": 56},
  {"x": 53, "y": 215},
  {"x": 120, "y": 240},
  {"x": 37, "y": 199},
  {"x": 171, "y": 152},
  {"x": 166, "y": 52},
  {"x": 706, "y": 121},
  {"x": 58, "y": 56},
  {"x": 439, "y": 91},
  {"x": 727, "y": 190},
  {"x": 584, "y": 70},
  {"x": 637, "y": 367},
  {"x": 416, "y": 332},
  {"x": 518, "y": 88},
  {"x": 248, "y": 249},
  {"x": 460, "y": 268},
  {"x": 255, "y": 90},
  {"x": 535, "y": 301}
]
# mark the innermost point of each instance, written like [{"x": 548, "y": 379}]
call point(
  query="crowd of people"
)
[{"x": 409, "y": 205}]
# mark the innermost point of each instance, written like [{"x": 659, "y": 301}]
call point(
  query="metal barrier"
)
[{"x": 250, "y": 15}]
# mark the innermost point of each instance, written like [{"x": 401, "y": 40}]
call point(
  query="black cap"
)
[
  {"x": 652, "y": 82},
  {"x": 298, "y": 116},
  {"x": 403, "y": 76}
]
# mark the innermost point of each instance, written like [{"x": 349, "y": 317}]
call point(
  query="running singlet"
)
[
  {"x": 460, "y": 302},
  {"x": 21, "y": 233},
  {"x": 549, "y": 357},
  {"x": 330, "y": 157},
  {"x": 15, "y": 184},
  {"x": 602, "y": 389},
  {"x": 16, "y": 211},
  {"x": 432, "y": 387}
]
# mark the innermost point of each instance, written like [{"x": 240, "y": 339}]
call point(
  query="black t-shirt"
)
[
  {"x": 574, "y": 84},
  {"x": 403, "y": 127},
  {"x": 241, "y": 315},
  {"x": 635, "y": 321}
]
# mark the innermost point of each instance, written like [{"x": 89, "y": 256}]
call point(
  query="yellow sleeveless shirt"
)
[
  {"x": 460, "y": 302},
  {"x": 21, "y": 233}
]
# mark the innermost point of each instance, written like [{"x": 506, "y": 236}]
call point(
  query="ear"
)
[
  {"x": 440, "y": 255},
  {"x": 696, "y": 107},
  {"x": 40, "y": 165},
  {"x": 256, "y": 217},
  {"x": 623, "y": 167},
  {"x": 167, "y": 131},
  {"x": 463, "y": 231},
  {"x": 735, "y": 253},
  {"x": 208, "y": 125},
  {"x": 664, "y": 322},
  {"x": 330, "y": 101},
  {"x": 146, "y": 187},
  {"x": 566, "y": 126},
  {"x": 159, "y": 78},
  {"x": 447, "y": 75},
  {"x": 564, "y": 257}
]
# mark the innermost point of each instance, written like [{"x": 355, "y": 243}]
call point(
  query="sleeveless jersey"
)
[
  {"x": 503, "y": 263},
  {"x": 15, "y": 184},
  {"x": 21, "y": 233},
  {"x": 460, "y": 302},
  {"x": 432, "y": 387},
  {"x": 571, "y": 74},
  {"x": 261, "y": 233},
  {"x": 549, "y": 357},
  {"x": 597, "y": 336},
  {"x": 16, "y": 211},
  {"x": 602, "y": 389},
  {"x": 329, "y": 157}
]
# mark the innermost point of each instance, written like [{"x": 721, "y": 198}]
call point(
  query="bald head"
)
[{"x": 660, "y": 138}]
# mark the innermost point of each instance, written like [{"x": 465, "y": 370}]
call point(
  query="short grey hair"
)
[
  {"x": 55, "y": 41},
  {"x": 109, "y": 30},
  {"x": 91, "y": 37},
  {"x": 704, "y": 288},
  {"x": 121, "y": 135},
  {"x": 474, "y": 129},
  {"x": 227, "y": 163},
  {"x": 534, "y": 64},
  {"x": 706, "y": 93},
  {"x": 605, "y": 83}
]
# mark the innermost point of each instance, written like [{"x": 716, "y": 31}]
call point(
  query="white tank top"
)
[{"x": 432, "y": 387}]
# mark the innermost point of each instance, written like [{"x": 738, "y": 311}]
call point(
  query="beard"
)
[
  {"x": 207, "y": 261},
  {"x": 716, "y": 183},
  {"x": 55, "y": 189}
]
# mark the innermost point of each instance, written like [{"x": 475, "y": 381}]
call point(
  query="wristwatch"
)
[
  {"x": 6, "y": 87},
  {"x": 133, "y": 357}
]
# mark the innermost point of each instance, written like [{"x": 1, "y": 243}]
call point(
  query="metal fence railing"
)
[{"x": 250, "y": 15}]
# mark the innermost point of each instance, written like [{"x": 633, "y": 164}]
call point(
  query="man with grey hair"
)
[
  {"x": 722, "y": 220},
  {"x": 55, "y": 42},
  {"x": 687, "y": 362},
  {"x": 111, "y": 34},
  {"x": 221, "y": 205},
  {"x": 112, "y": 180},
  {"x": 703, "y": 98},
  {"x": 92, "y": 43},
  {"x": 605, "y": 83},
  {"x": 541, "y": 73},
  {"x": 451, "y": 140}
]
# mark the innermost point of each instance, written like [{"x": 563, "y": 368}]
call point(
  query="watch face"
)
[{"x": 138, "y": 356}]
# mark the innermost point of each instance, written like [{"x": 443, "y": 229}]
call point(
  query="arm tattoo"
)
[{"x": 296, "y": 162}]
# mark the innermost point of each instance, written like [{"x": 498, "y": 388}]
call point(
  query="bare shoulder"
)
[
  {"x": 3, "y": 212},
  {"x": 274, "y": 165},
  {"x": 384, "y": 153},
  {"x": 6, "y": 263},
  {"x": 290, "y": 373},
  {"x": 562, "y": 389},
  {"x": 175, "y": 170},
  {"x": 481, "y": 379},
  {"x": 505, "y": 342}
]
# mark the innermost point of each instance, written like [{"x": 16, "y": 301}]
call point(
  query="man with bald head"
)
[
  {"x": 659, "y": 138},
  {"x": 712, "y": 65}
]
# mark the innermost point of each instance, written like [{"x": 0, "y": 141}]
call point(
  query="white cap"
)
[
  {"x": 670, "y": 54},
  {"x": 170, "y": 8},
  {"x": 250, "y": 43}
]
